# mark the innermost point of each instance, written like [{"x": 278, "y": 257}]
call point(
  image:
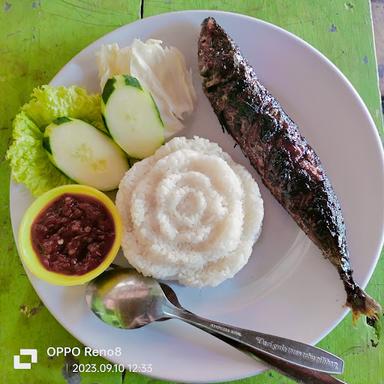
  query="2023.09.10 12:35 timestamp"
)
[{"x": 107, "y": 367}]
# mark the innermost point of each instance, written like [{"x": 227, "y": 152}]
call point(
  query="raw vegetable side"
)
[
  {"x": 131, "y": 116},
  {"x": 29, "y": 161},
  {"x": 84, "y": 153},
  {"x": 133, "y": 108},
  {"x": 161, "y": 69}
]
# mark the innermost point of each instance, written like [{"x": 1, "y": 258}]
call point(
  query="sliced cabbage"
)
[{"x": 162, "y": 70}]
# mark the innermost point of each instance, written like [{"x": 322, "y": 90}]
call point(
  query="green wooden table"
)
[{"x": 38, "y": 37}]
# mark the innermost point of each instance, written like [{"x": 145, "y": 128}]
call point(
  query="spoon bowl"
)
[{"x": 125, "y": 299}]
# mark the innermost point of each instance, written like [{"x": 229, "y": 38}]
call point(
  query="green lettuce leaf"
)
[
  {"x": 48, "y": 103},
  {"x": 29, "y": 161}
]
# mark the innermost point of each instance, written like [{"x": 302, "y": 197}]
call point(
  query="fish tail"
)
[{"x": 363, "y": 304}]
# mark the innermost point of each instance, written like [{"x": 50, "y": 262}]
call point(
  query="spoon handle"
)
[
  {"x": 298, "y": 373},
  {"x": 290, "y": 351}
]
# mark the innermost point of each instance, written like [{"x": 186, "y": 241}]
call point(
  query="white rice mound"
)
[{"x": 190, "y": 213}]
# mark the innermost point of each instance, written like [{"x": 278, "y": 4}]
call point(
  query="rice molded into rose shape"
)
[{"x": 190, "y": 213}]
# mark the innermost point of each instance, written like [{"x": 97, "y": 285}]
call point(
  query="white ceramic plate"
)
[{"x": 287, "y": 288}]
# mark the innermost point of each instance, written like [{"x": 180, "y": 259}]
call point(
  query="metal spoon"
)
[{"x": 124, "y": 298}]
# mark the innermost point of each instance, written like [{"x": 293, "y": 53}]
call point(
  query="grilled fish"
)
[{"x": 287, "y": 164}]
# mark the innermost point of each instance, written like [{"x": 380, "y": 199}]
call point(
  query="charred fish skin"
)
[{"x": 287, "y": 164}]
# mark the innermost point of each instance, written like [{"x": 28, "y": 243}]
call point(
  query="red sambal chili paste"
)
[{"x": 73, "y": 234}]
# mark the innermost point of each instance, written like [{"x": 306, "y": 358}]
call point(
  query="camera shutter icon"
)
[{"x": 25, "y": 352}]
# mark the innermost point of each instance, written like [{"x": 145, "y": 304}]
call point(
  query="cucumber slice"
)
[
  {"x": 131, "y": 116},
  {"x": 85, "y": 154}
]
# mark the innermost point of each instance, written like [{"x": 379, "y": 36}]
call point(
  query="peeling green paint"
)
[{"x": 29, "y": 311}]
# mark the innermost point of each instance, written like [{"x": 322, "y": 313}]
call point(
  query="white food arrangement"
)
[{"x": 190, "y": 213}]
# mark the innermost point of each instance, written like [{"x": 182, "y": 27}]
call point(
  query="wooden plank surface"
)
[
  {"x": 38, "y": 37},
  {"x": 378, "y": 24}
]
